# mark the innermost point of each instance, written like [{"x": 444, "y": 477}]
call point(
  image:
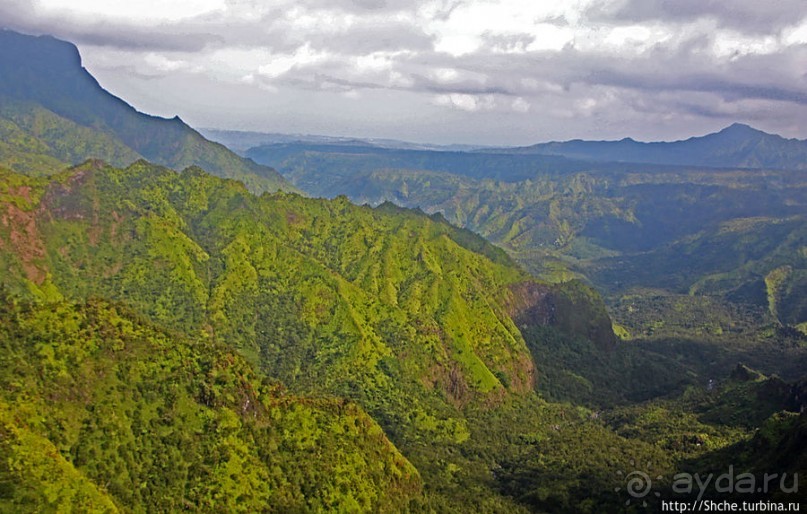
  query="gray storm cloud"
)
[
  {"x": 502, "y": 72},
  {"x": 749, "y": 16}
]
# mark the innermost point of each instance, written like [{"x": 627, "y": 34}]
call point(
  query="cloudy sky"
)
[{"x": 453, "y": 71}]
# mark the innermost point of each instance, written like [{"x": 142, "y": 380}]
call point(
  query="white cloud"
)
[
  {"x": 165, "y": 64},
  {"x": 733, "y": 45},
  {"x": 550, "y": 37},
  {"x": 466, "y": 26},
  {"x": 277, "y": 65},
  {"x": 795, "y": 35},
  {"x": 372, "y": 62},
  {"x": 445, "y": 74},
  {"x": 457, "y": 44},
  {"x": 520, "y": 105},
  {"x": 463, "y": 102},
  {"x": 319, "y": 20}
]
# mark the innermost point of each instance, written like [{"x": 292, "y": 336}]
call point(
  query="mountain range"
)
[
  {"x": 174, "y": 340},
  {"x": 736, "y": 146},
  {"x": 241, "y": 140},
  {"x": 720, "y": 217}
]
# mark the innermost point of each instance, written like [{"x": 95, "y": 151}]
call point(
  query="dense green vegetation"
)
[
  {"x": 54, "y": 114},
  {"x": 736, "y": 237},
  {"x": 385, "y": 307},
  {"x": 701, "y": 268},
  {"x": 325, "y": 271},
  {"x": 322, "y": 311},
  {"x": 103, "y": 412}
]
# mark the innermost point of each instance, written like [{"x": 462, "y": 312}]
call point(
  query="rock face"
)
[
  {"x": 532, "y": 304},
  {"x": 571, "y": 307}
]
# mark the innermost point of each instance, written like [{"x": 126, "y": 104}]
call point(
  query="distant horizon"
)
[
  {"x": 492, "y": 73},
  {"x": 347, "y": 138}
]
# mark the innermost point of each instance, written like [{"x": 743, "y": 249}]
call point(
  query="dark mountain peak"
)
[
  {"x": 42, "y": 52},
  {"x": 741, "y": 129}
]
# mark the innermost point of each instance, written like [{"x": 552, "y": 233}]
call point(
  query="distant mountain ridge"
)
[
  {"x": 53, "y": 113},
  {"x": 240, "y": 141},
  {"x": 736, "y": 146},
  {"x": 728, "y": 226}
]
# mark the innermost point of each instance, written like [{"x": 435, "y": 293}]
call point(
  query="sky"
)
[{"x": 497, "y": 72}]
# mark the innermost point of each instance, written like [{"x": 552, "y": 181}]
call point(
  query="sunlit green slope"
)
[{"x": 100, "y": 411}]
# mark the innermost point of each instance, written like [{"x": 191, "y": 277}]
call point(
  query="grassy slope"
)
[
  {"x": 102, "y": 411},
  {"x": 383, "y": 307}
]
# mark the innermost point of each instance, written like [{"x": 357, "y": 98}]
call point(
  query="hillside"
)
[
  {"x": 386, "y": 307},
  {"x": 53, "y": 113},
  {"x": 630, "y": 229},
  {"x": 101, "y": 411},
  {"x": 328, "y": 311}
]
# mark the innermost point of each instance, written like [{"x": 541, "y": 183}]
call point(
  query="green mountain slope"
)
[
  {"x": 386, "y": 307},
  {"x": 53, "y": 113},
  {"x": 290, "y": 319},
  {"x": 227, "y": 256},
  {"x": 635, "y": 230},
  {"x": 102, "y": 412}
]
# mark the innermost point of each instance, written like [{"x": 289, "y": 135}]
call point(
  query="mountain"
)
[
  {"x": 283, "y": 339},
  {"x": 736, "y": 146},
  {"x": 53, "y": 114},
  {"x": 409, "y": 318},
  {"x": 321, "y": 168},
  {"x": 661, "y": 232}
]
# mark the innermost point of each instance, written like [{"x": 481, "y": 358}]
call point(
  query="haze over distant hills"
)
[
  {"x": 736, "y": 146},
  {"x": 241, "y": 141},
  {"x": 53, "y": 113}
]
